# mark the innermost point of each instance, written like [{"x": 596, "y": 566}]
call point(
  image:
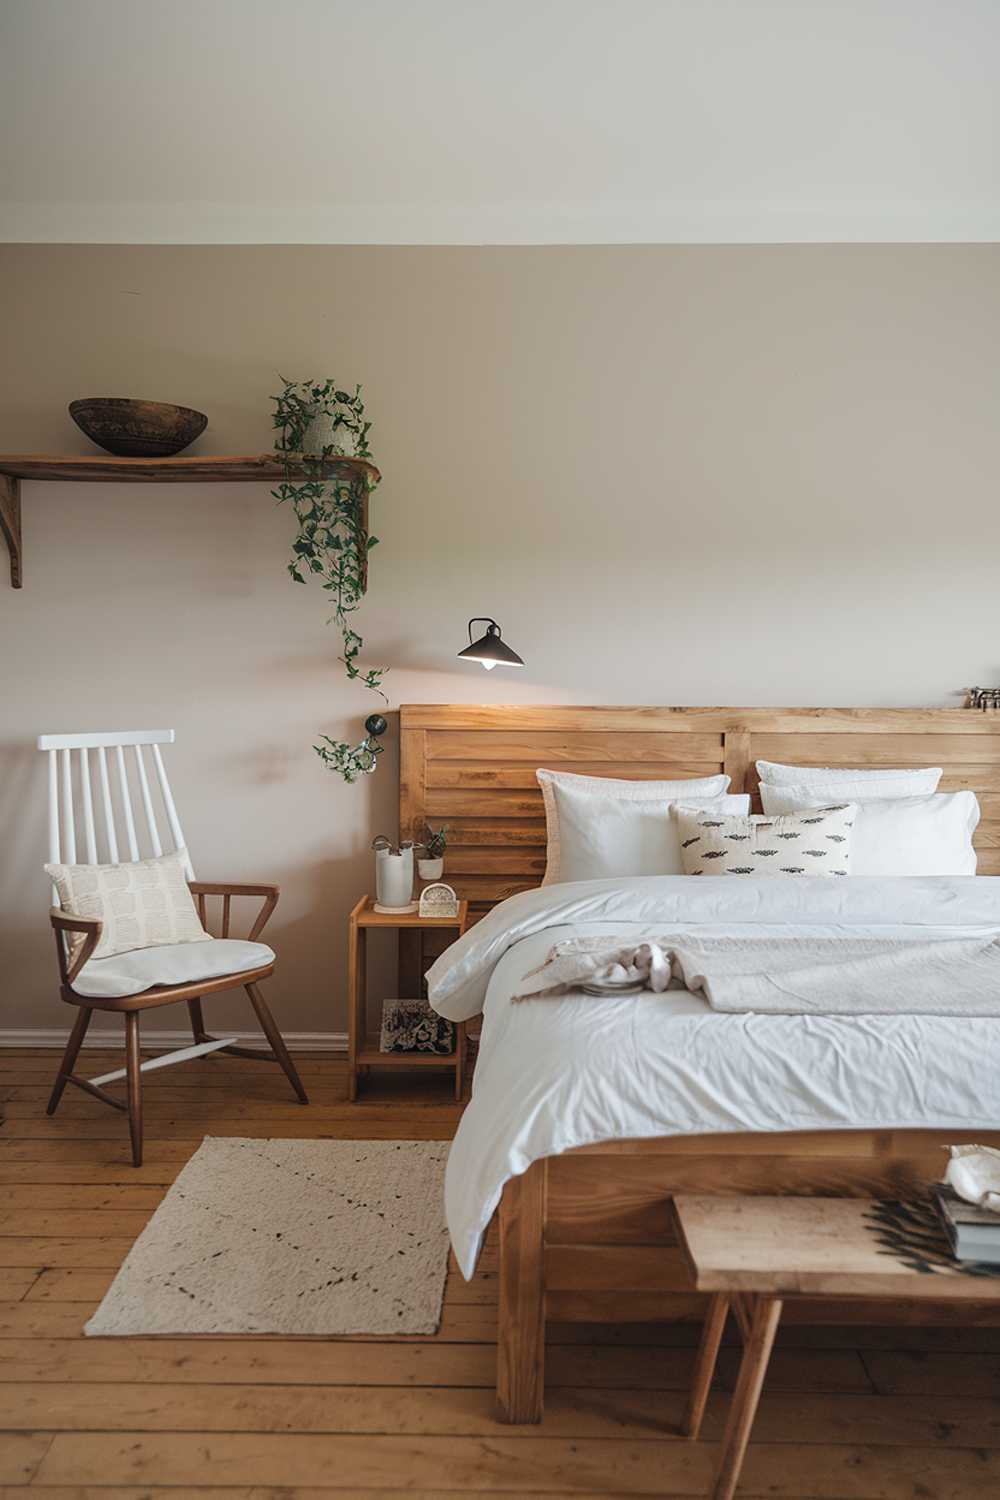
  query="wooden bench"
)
[{"x": 754, "y": 1254}]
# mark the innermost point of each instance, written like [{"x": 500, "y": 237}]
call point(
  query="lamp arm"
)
[{"x": 483, "y": 620}]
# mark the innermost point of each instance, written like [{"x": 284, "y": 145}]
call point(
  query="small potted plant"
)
[{"x": 433, "y": 844}]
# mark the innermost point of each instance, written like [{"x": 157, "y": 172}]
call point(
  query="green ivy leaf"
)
[{"x": 330, "y": 542}]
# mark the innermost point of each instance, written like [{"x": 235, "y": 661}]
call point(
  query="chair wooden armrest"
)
[
  {"x": 227, "y": 889},
  {"x": 65, "y": 921}
]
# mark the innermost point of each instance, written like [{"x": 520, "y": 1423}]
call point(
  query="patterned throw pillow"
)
[
  {"x": 814, "y": 842},
  {"x": 142, "y": 905}
]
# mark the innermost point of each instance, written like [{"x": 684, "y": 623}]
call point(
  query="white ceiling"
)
[{"x": 499, "y": 121}]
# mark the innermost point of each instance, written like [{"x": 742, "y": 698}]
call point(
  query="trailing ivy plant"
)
[
  {"x": 331, "y": 541},
  {"x": 358, "y": 760}
]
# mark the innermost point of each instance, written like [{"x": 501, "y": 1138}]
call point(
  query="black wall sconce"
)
[{"x": 490, "y": 650}]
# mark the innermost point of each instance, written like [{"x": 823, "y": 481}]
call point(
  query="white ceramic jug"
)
[{"x": 393, "y": 878}]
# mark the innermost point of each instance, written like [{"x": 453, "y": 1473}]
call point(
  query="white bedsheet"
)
[{"x": 575, "y": 1070}]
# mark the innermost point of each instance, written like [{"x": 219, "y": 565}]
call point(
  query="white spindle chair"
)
[{"x": 97, "y": 785}]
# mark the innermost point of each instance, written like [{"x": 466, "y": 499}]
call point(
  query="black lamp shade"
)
[{"x": 490, "y": 651}]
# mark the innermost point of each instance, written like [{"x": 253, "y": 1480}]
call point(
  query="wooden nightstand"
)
[{"x": 362, "y": 1050}]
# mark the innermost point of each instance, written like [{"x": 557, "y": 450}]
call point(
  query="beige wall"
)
[{"x": 675, "y": 475}]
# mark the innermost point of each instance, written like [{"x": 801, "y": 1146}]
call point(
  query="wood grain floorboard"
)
[
  {"x": 849, "y": 1412},
  {"x": 61, "y": 1195},
  {"x": 288, "y": 1492},
  {"x": 518, "y": 1463},
  {"x": 350, "y": 1362},
  {"x": 69, "y": 1406}
]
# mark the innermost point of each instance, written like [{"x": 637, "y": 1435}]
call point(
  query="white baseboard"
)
[{"x": 296, "y": 1041}]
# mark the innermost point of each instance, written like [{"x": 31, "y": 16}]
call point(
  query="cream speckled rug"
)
[{"x": 294, "y": 1237}]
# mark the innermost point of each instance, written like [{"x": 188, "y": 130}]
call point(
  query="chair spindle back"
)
[{"x": 76, "y": 834}]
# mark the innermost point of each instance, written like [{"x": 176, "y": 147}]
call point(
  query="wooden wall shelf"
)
[{"x": 103, "y": 468}]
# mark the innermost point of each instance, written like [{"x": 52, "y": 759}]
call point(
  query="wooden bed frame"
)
[{"x": 587, "y": 1235}]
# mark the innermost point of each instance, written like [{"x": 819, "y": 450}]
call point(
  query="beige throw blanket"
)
[{"x": 787, "y": 976}]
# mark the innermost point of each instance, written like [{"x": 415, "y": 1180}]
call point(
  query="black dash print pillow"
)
[{"x": 813, "y": 842}]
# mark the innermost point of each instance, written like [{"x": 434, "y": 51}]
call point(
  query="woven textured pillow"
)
[
  {"x": 815, "y": 842},
  {"x": 142, "y": 905}
]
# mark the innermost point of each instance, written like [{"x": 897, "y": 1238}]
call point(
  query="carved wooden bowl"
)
[{"x": 137, "y": 429}]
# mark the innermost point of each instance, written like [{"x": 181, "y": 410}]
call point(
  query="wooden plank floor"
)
[{"x": 849, "y": 1413}]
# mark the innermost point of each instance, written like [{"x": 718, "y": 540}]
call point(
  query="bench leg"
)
[
  {"x": 521, "y": 1319},
  {"x": 743, "y": 1313},
  {"x": 766, "y": 1316},
  {"x": 708, "y": 1353}
]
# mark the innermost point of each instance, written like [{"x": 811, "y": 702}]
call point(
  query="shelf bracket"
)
[{"x": 10, "y": 523}]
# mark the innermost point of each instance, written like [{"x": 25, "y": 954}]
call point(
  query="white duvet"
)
[{"x": 573, "y": 1070}]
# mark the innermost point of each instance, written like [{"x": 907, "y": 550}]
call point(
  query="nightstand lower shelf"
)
[{"x": 371, "y": 1057}]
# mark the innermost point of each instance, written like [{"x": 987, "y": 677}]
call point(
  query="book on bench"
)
[{"x": 973, "y": 1232}]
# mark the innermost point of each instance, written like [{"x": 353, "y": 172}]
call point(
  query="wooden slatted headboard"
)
[{"x": 473, "y": 766}]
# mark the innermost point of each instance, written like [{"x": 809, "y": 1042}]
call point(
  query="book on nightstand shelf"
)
[{"x": 973, "y": 1232}]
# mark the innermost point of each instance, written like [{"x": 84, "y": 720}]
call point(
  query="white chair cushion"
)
[{"x": 170, "y": 963}]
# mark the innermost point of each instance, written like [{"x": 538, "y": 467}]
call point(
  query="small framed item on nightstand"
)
[
  {"x": 438, "y": 900},
  {"x": 411, "y": 1034}
]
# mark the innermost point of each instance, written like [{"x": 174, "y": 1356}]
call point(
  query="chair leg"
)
[
  {"x": 270, "y": 1030},
  {"x": 134, "y": 1076},
  {"x": 73, "y": 1046},
  {"x": 197, "y": 1019}
]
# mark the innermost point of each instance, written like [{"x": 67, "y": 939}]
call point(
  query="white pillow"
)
[
  {"x": 600, "y": 837},
  {"x": 840, "y": 785},
  {"x": 814, "y": 842},
  {"x": 612, "y": 790},
  {"x": 901, "y": 835},
  {"x": 143, "y": 905}
]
